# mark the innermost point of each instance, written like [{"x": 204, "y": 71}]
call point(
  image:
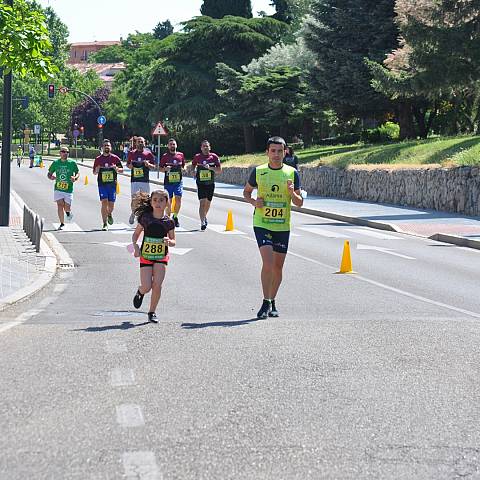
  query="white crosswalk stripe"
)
[
  {"x": 221, "y": 229},
  {"x": 324, "y": 232},
  {"x": 69, "y": 227},
  {"x": 373, "y": 234}
]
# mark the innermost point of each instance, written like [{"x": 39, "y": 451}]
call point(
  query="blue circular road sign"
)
[{"x": 101, "y": 120}]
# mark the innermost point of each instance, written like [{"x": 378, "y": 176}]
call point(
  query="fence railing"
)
[{"x": 32, "y": 226}]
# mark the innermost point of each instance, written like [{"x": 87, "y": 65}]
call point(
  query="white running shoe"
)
[{"x": 69, "y": 216}]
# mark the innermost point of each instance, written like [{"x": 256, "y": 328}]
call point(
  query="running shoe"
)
[
  {"x": 105, "y": 226},
  {"x": 60, "y": 227},
  {"x": 152, "y": 317},
  {"x": 110, "y": 219},
  {"x": 264, "y": 309},
  {"x": 69, "y": 216},
  {"x": 131, "y": 218},
  {"x": 177, "y": 223},
  {"x": 273, "y": 311},
  {"x": 203, "y": 225},
  {"x": 138, "y": 299}
]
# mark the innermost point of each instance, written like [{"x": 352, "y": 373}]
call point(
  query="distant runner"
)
[
  {"x": 277, "y": 185},
  {"x": 206, "y": 165},
  {"x": 65, "y": 173},
  {"x": 172, "y": 164},
  {"x": 19, "y": 155},
  {"x": 140, "y": 161},
  {"x": 158, "y": 234},
  {"x": 106, "y": 166}
]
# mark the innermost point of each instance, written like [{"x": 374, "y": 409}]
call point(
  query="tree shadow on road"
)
[
  {"x": 236, "y": 323},
  {"x": 104, "y": 328}
]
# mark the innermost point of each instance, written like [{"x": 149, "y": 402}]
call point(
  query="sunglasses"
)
[{"x": 64, "y": 151}]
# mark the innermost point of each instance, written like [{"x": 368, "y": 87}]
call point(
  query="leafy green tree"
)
[
  {"x": 222, "y": 8},
  {"x": 163, "y": 30},
  {"x": 25, "y": 41},
  {"x": 342, "y": 33},
  {"x": 181, "y": 83},
  {"x": 267, "y": 100}
]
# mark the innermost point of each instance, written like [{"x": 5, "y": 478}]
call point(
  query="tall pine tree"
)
[
  {"x": 221, "y": 8},
  {"x": 342, "y": 34}
]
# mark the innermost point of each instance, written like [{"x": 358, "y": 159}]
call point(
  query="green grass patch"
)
[{"x": 450, "y": 151}]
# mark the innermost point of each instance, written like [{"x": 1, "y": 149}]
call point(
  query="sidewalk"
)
[{"x": 23, "y": 271}]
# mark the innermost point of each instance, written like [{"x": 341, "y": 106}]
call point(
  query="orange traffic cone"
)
[
  {"x": 118, "y": 188},
  {"x": 86, "y": 180},
  {"x": 346, "y": 264},
  {"x": 229, "y": 226}
]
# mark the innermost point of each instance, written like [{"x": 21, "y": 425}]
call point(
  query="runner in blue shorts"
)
[
  {"x": 172, "y": 164},
  {"x": 106, "y": 167}
]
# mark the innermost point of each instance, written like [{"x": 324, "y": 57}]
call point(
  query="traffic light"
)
[
  {"x": 51, "y": 90},
  {"x": 82, "y": 129},
  {"x": 100, "y": 126}
]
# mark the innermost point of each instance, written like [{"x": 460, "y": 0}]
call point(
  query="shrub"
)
[{"x": 387, "y": 132}]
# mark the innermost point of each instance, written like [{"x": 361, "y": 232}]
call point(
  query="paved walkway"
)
[{"x": 22, "y": 270}]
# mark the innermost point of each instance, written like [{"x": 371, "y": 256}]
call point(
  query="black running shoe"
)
[
  {"x": 60, "y": 227},
  {"x": 264, "y": 309},
  {"x": 175, "y": 220},
  {"x": 203, "y": 226},
  {"x": 138, "y": 299},
  {"x": 152, "y": 317},
  {"x": 273, "y": 311}
]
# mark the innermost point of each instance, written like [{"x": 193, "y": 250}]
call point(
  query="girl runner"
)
[{"x": 158, "y": 234}]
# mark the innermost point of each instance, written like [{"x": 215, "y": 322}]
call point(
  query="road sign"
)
[
  {"x": 76, "y": 133},
  {"x": 63, "y": 89},
  {"x": 101, "y": 120},
  {"x": 36, "y": 129},
  {"x": 159, "y": 129}
]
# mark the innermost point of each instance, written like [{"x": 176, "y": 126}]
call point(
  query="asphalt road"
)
[{"x": 366, "y": 376}]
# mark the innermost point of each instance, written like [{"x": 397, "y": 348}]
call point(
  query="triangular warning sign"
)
[{"x": 159, "y": 129}]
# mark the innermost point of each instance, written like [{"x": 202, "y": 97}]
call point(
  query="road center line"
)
[
  {"x": 140, "y": 466},
  {"x": 121, "y": 377},
  {"x": 129, "y": 415}
]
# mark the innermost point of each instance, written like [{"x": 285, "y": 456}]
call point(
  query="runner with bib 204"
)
[{"x": 278, "y": 186}]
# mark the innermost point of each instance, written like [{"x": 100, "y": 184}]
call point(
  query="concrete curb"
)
[
  {"x": 440, "y": 237},
  {"x": 43, "y": 279}
]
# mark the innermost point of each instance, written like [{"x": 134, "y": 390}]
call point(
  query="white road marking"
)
[
  {"x": 69, "y": 227},
  {"x": 374, "y": 234},
  {"x": 46, "y": 301},
  {"x": 59, "y": 288},
  {"x": 221, "y": 229},
  {"x": 20, "y": 319},
  {"x": 184, "y": 231},
  {"x": 121, "y": 228},
  {"x": 115, "y": 346},
  {"x": 173, "y": 250},
  {"x": 322, "y": 232},
  {"x": 140, "y": 466},
  {"x": 387, "y": 287},
  {"x": 122, "y": 377},
  {"x": 130, "y": 416},
  {"x": 383, "y": 250}
]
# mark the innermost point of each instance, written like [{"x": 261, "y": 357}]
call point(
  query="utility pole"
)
[{"x": 6, "y": 146}]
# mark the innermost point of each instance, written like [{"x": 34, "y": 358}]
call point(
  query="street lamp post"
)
[{"x": 6, "y": 146}]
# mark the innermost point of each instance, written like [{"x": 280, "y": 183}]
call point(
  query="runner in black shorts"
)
[
  {"x": 159, "y": 234},
  {"x": 206, "y": 165},
  {"x": 278, "y": 185}
]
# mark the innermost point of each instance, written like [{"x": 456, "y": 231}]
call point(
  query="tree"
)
[
  {"x": 181, "y": 83},
  {"x": 24, "y": 41},
  {"x": 342, "y": 33},
  {"x": 222, "y": 8},
  {"x": 163, "y": 30},
  {"x": 58, "y": 33},
  {"x": 269, "y": 99}
]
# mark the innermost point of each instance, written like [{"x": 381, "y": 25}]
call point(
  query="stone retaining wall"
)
[{"x": 446, "y": 189}]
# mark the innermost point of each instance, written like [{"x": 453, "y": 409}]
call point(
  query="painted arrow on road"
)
[
  {"x": 174, "y": 250},
  {"x": 383, "y": 250}
]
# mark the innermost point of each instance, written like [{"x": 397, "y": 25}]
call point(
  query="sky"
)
[{"x": 89, "y": 20}]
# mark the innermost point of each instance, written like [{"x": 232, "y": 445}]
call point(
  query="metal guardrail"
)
[{"x": 32, "y": 226}]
